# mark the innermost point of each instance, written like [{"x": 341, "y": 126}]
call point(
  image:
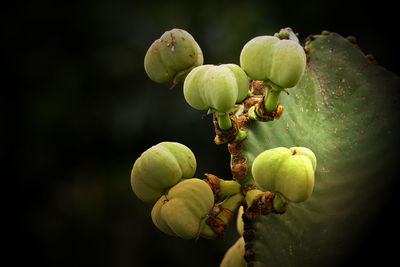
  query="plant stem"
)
[
  {"x": 271, "y": 99},
  {"x": 224, "y": 121},
  {"x": 220, "y": 216},
  {"x": 180, "y": 76},
  {"x": 251, "y": 195},
  {"x": 228, "y": 188},
  {"x": 241, "y": 135},
  {"x": 231, "y": 204},
  {"x": 280, "y": 203}
]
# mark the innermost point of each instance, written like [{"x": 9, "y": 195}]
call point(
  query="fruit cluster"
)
[
  {"x": 189, "y": 207},
  {"x": 184, "y": 206}
]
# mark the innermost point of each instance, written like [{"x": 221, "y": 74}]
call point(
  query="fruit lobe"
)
[
  {"x": 286, "y": 171},
  {"x": 305, "y": 152},
  {"x": 175, "y": 51},
  {"x": 161, "y": 167},
  {"x": 268, "y": 58},
  {"x": 181, "y": 211},
  {"x": 216, "y": 87}
]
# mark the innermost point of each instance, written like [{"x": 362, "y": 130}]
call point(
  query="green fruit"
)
[
  {"x": 286, "y": 171},
  {"x": 183, "y": 209},
  {"x": 174, "y": 52},
  {"x": 234, "y": 257},
  {"x": 269, "y": 58},
  {"x": 161, "y": 167},
  {"x": 216, "y": 87}
]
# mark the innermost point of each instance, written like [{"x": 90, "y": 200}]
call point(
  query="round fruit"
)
[
  {"x": 174, "y": 52},
  {"x": 183, "y": 209},
  {"x": 286, "y": 171},
  {"x": 216, "y": 87},
  {"x": 268, "y": 58},
  {"x": 159, "y": 168}
]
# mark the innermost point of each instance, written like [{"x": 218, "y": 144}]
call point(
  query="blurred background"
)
[{"x": 79, "y": 109}]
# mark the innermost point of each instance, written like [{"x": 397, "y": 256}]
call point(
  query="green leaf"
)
[{"x": 345, "y": 109}]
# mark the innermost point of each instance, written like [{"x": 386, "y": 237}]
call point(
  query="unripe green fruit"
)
[
  {"x": 161, "y": 167},
  {"x": 234, "y": 257},
  {"x": 268, "y": 58},
  {"x": 174, "y": 52},
  {"x": 286, "y": 171},
  {"x": 182, "y": 210},
  {"x": 216, "y": 87}
]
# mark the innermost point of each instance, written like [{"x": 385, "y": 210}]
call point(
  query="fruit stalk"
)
[
  {"x": 271, "y": 99},
  {"x": 224, "y": 121},
  {"x": 220, "y": 187},
  {"x": 221, "y": 215}
]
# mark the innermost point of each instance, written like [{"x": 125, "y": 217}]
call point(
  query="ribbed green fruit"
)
[
  {"x": 159, "y": 168},
  {"x": 182, "y": 210},
  {"x": 287, "y": 172},
  {"x": 268, "y": 58},
  {"x": 216, "y": 87},
  {"x": 174, "y": 52}
]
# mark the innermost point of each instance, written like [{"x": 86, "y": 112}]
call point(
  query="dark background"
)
[{"x": 79, "y": 109}]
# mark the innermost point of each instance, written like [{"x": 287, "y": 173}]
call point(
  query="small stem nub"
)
[
  {"x": 241, "y": 135},
  {"x": 263, "y": 203}
]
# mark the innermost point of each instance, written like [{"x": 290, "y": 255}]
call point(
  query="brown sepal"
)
[
  {"x": 239, "y": 167},
  {"x": 217, "y": 225},
  {"x": 214, "y": 183},
  {"x": 235, "y": 148},
  {"x": 257, "y": 87}
]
